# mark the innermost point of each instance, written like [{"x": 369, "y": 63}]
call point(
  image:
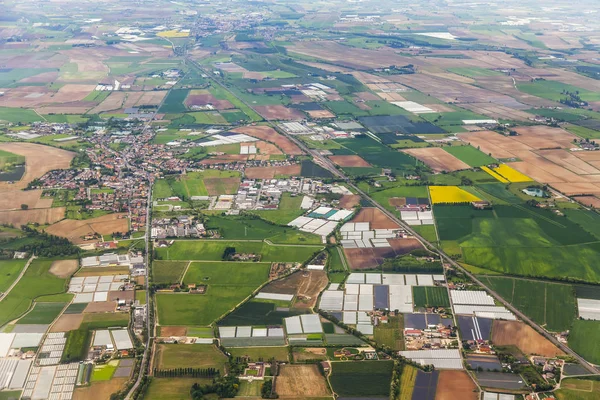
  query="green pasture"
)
[
  {"x": 551, "y": 305},
  {"x": 168, "y": 271},
  {"x": 470, "y": 155},
  {"x": 584, "y": 339}
]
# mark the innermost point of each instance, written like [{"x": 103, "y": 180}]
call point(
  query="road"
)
[{"x": 3, "y": 295}]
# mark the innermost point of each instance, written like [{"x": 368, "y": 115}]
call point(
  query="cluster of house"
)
[
  {"x": 434, "y": 336},
  {"x": 180, "y": 226}
]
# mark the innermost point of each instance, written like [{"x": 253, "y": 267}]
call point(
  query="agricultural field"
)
[
  {"x": 552, "y": 305},
  {"x": 425, "y": 296},
  {"x": 164, "y": 272},
  {"x": 578, "y": 389},
  {"x": 450, "y": 195},
  {"x": 260, "y": 353},
  {"x": 524, "y": 337},
  {"x": 42, "y": 313},
  {"x": 9, "y": 271},
  {"x": 361, "y": 378},
  {"x": 470, "y": 155},
  {"x": 391, "y": 334},
  {"x": 171, "y": 356},
  {"x": 583, "y": 339},
  {"x": 37, "y": 281},
  {"x": 207, "y": 250},
  {"x": 305, "y": 379},
  {"x": 289, "y": 209},
  {"x": 517, "y": 239}
]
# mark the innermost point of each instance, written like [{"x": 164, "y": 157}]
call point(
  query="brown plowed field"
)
[
  {"x": 219, "y": 186},
  {"x": 437, "y": 159},
  {"x": 114, "y": 101},
  {"x": 349, "y": 161},
  {"x": 377, "y": 218},
  {"x": 278, "y": 112},
  {"x": 266, "y": 148},
  {"x": 271, "y": 135},
  {"x": 305, "y": 379},
  {"x": 67, "y": 322},
  {"x": 177, "y": 331},
  {"x": 516, "y": 333},
  {"x": 588, "y": 201},
  {"x": 306, "y": 284},
  {"x": 368, "y": 258},
  {"x": 42, "y": 216},
  {"x": 454, "y": 385},
  {"x": 100, "y": 307},
  {"x": 271, "y": 172},
  {"x": 64, "y": 268},
  {"x": 127, "y": 295},
  {"x": 349, "y": 201},
  {"x": 100, "y": 390},
  {"x": 39, "y": 159},
  {"x": 321, "y": 114},
  {"x": 12, "y": 199},
  {"x": 74, "y": 230},
  {"x": 152, "y": 98}
]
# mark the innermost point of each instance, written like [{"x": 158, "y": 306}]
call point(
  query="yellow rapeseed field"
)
[
  {"x": 173, "y": 34},
  {"x": 495, "y": 174},
  {"x": 450, "y": 194},
  {"x": 512, "y": 174}
]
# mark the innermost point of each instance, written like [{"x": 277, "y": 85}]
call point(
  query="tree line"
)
[{"x": 187, "y": 372}]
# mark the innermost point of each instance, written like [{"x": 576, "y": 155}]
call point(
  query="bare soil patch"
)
[
  {"x": 267, "y": 148},
  {"x": 588, "y": 201},
  {"x": 12, "y": 199},
  {"x": 177, "y": 331},
  {"x": 39, "y": 159},
  {"x": 271, "y": 172},
  {"x": 516, "y": 333},
  {"x": 349, "y": 201},
  {"x": 152, "y": 98},
  {"x": 397, "y": 201},
  {"x": 64, "y": 268},
  {"x": 218, "y": 186},
  {"x": 100, "y": 390},
  {"x": 127, "y": 295},
  {"x": 456, "y": 385},
  {"x": 42, "y": 216},
  {"x": 438, "y": 159},
  {"x": 349, "y": 161},
  {"x": 67, "y": 322},
  {"x": 271, "y": 135},
  {"x": 113, "y": 102},
  {"x": 377, "y": 218},
  {"x": 75, "y": 230},
  {"x": 278, "y": 112},
  {"x": 305, "y": 379},
  {"x": 321, "y": 114},
  {"x": 100, "y": 307},
  {"x": 305, "y": 285}
]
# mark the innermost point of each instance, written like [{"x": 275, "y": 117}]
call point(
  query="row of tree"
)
[{"x": 187, "y": 372}]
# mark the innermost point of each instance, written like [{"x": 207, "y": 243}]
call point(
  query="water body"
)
[{"x": 13, "y": 175}]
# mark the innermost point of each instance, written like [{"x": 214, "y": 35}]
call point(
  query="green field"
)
[
  {"x": 391, "y": 334},
  {"x": 363, "y": 379},
  {"x": 173, "y": 103},
  {"x": 519, "y": 239},
  {"x": 212, "y": 250},
  {"x": 578, "y": 389},
  {"x": 168, "y": 271},
  {"x": 36, "y": 282},
  {"x": 19, "y": 115},
  {"x": 253, "y": 228},
  {"x": 474, "y": 72},
  {"x": 551, "y": 305},
  {"x": 104, "y": 372},
  {"x": 228, "y": 283},
  {"x": 8, "y": 159},
  {"x": 261, "y": 353},
  {"x": 171, "y": 356},
  {"x": 470, "y": 155},
  {"x": 584, "y": 339},
  {"x": 172, "y": 388},
  {"x": 289, "y": 209},
  {"x": 193, "y": 184},
  {"x": 553, "y": 90},
  {"x": 228, "y": 273},
  {"x": 9, "y": 271},
  {"x": 77, "y": 346},
  {"x": 427, "y": 296},
  {"x": 42, "y": 313}
]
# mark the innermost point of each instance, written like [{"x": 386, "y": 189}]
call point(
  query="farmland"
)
[
  {"x": 450, "y": 194},
  {"x": 361, "y": 378},
  {"x": 551, "y": 305},
  {"x": 516, "y": 333},
  {"x": 207, "y": 250},
  {"x": 424, "y": 296},
  {"x": 584, "y": 340},
  {"x": 9, "y": 271},
  {"x": 578, "y": 389},
  {"x": 37, "y": 281},
  {"x": 470, "y": 155},
  {"x": 170, "y": 356},
  {"x": 228, "y": 285},
  {"x": 518, "y": 239},
  {"x": 168, "y": 271}
]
